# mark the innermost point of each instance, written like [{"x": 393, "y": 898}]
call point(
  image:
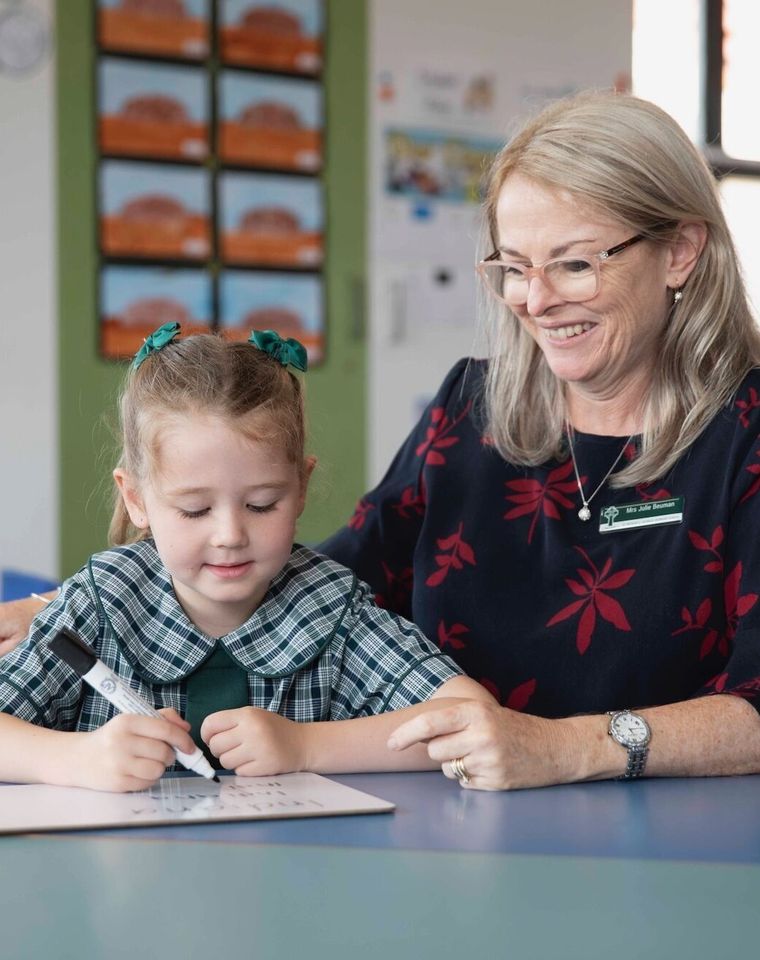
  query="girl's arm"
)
[
  {"x": 128, "y": 753},
  {"x": 255, "y": 742}
]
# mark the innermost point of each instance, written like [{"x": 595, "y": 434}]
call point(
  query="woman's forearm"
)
[
  {"x": 709, "y": 736},
  {"x": 506, "y": 750}
]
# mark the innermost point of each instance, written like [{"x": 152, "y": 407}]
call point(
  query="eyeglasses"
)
[{"x": 573, "y": 278}]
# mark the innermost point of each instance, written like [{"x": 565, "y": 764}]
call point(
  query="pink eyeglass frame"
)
[{"x": 538, "y": 270}]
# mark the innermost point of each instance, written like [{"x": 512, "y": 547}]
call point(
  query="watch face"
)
[{"x": 629, "y": 729}]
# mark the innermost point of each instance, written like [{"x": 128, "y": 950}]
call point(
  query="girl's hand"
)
[
  {"x": 254, "y": 742},
  {"x": 130, "y": 752},
  {"x": 501, "y": 748}
]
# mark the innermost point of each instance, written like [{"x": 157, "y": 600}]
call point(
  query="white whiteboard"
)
[{"x": 34, "y": 808}]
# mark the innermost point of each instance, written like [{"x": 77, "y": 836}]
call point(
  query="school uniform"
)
[{"x": 317, "y": 648}]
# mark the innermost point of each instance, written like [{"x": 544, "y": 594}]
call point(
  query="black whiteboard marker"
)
[{"x": 74, "y": 651}]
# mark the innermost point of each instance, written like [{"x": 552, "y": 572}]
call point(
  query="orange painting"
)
[
  {"x": 154, "y": 225},
  {"x": 154, "y": 27},
  {"x": 153, "y": 125},
  {"x": 271, "y": 38},
  {"x": 270, "y": 134},
  {"x": 272, "y": 236}
]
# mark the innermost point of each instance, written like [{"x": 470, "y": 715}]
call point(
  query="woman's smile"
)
[{"x": 567, "y": 331}]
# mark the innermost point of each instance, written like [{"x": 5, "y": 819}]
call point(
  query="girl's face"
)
[{"x": 222, "y": 509}]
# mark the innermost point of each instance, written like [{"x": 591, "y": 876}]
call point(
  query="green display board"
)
[{"x": 88, "y": 384}]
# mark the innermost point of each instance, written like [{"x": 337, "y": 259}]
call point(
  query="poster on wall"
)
[
  {"x": 152, "y": 110},
  {"x": 210, "y": 207},
  {"x": 271, "y": 220},
  {"x": 291, "y": 304},
  {"x": 136, "y": 300},
  {"x": 286, "y": 36},
  {"x": 270, "y": 122},
  {"x": 446, "y": 166},
  {"x": 150, "y": 211},
  {"x": 162, "y": 28}
]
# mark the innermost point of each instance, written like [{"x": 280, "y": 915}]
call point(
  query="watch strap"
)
[
  {"x": 637, "y": 753},
  {"x": 637, "y": 760}
]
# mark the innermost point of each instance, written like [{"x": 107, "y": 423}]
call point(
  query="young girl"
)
[{"x": 206, "y": 608}]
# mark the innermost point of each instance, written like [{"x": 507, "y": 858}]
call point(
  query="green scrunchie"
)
[
  {"x": 287, "y": 352},
  {"x": 156, "y": 341}
]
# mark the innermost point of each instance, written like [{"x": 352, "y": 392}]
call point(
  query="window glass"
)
[
  {"x": 668, "y": 58},
  {"x": 741, "y": 202},
  {"x": 740, "y": 133}
]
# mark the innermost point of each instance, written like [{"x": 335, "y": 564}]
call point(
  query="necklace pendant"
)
[{"x": 584, "y": 513}]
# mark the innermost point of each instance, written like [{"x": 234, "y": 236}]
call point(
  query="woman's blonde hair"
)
[
  {"x": 627, "y": 158},
  {"x": 204, "y": 375}
]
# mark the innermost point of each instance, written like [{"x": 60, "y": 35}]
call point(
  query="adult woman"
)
[
  {"x": 573, "y": 520},
  {"x": 622, "y": 379}
]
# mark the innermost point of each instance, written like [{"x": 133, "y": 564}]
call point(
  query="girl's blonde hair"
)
[
  {"x": 204, "y": 375},
  {"x": 627, "y": 158}
]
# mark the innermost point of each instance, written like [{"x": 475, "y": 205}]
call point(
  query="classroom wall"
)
[
  {"x": 462, "y": 73},
  {"x": 48, "y": 263},
  {"x": 28, "y": 328}
]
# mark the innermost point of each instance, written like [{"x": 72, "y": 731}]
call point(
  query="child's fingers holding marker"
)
[
  {"x": 120, "y": 756},
  {"x": 171, "y": 714}
]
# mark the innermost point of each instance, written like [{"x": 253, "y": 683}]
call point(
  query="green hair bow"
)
[
  {"x": 287, "y": 352},
  {"x": 155, "y": 342}
]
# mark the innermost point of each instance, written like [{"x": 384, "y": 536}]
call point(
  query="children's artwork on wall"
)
[
  {"x": 432, "y": 164},
  {"x": 162, "y": 28},
  {"x": 270, "y": 122},
  {"x": 271, "y": 220},
  {"x": 150, "y": 211},
  {"x": 291, "y": 304},
  {"x": 285, "y": 36},
  {"x": 153, "y": 110},
  {"x": 210, "y": 204},
  {"x": 136, "y": 300}
]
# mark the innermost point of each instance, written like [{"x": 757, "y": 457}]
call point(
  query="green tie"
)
[{"x": 218, "y": 684}]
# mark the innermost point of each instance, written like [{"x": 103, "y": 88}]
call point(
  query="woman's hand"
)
[
  {"x": 501, "y": 749},
  {"x": 254, "y": 742},
  {"x": 130, "y": 752},
  {"x": 15, "y": 619}
]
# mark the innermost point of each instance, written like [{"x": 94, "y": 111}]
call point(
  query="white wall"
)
[
  {"x": 423, "y": 54},
  {"x": 28, "y": 321}
]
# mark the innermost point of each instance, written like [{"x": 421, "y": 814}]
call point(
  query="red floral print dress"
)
[{"x": 552, "y": 615}]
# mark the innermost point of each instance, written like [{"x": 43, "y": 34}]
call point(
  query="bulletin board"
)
[{"x": 210, "y": 148}]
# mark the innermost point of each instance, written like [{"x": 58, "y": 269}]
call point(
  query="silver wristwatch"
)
[{"x": 631, "y": 731}]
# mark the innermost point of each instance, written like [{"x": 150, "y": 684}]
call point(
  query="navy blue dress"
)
[{"x": 553, "y": 616}]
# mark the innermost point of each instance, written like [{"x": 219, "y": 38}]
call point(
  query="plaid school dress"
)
[{"x": 318, "y": 648}]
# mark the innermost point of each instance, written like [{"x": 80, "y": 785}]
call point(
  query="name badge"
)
[{"x": 649, "y": 513}]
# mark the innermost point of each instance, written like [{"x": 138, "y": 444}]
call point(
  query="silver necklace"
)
[{"x": 585, "y": 513}]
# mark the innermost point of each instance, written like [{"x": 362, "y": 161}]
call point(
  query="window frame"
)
[{"x": 721, "y": 163}]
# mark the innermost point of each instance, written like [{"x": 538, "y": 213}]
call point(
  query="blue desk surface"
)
[{"x": 667, "y": 868}]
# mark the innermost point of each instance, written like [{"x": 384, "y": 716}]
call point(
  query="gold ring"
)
[{"x": 459, "y": 769}]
